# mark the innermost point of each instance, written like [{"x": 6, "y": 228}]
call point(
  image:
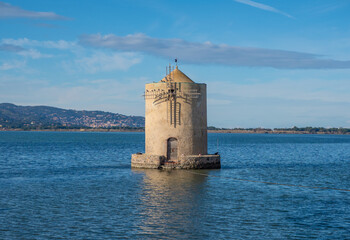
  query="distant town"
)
[{"x": 44, "y": 118}]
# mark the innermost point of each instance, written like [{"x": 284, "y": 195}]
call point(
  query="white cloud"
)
[
  {"x": 280, "y": 103},
  {"x": 262, "y": 7},
  {"x": 25, "y": 42},
  {"x": 208, "y": 53},
  {"x": 12, "y": 65},
  {"x": 9, "y": 11},
  {"x": 34, "y": 54},
  {"x": 11, "y": 48},
  {"x": 19, "y": 46},
  {"x": 84, "y": 59},
  {"x": 102, "y": 62},
  {"x": 287, "y": 89},
  {"x": 215, "y": 101},
  {"x": 99, "y": 94}
]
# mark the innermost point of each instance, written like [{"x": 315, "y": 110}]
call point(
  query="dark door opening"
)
[{"x": 172, "y": 149}]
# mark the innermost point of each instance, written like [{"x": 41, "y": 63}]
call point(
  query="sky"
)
[{"x": 266, "y": 63}]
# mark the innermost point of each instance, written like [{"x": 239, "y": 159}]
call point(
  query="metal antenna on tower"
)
[{"x": 170, "y": 77}]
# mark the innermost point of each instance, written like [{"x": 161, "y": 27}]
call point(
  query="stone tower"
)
[{"x": 176, "y": 125}]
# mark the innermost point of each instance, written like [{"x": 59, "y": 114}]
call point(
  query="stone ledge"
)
[
  {"x": 147, "y": 161},
  {"x": 184, "y": 162},
  {"x": 200, "y": 162}
]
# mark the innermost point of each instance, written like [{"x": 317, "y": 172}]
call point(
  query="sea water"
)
[{"x": 78, "y": 185}]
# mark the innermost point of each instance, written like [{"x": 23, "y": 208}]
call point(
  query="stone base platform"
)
[{"x": 142, "y": 160}]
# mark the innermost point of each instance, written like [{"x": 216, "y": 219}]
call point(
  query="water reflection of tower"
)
[{"x": 171, "y": 200}]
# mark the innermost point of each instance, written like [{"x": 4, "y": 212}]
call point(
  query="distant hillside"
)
[{"x": 13, "y": 116}]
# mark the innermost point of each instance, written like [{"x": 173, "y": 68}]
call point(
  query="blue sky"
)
[{"x": 266, "y": 63}]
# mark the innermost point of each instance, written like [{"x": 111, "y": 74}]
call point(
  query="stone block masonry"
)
[
  {"x": 176, "y": 125},
  {"x": 184, "y": 162}
]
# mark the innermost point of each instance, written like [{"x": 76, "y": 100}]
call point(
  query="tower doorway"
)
[{"x": 172, "y": 149}]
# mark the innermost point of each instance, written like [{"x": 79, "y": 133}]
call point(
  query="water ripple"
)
[{"x": 80, "y": 186}]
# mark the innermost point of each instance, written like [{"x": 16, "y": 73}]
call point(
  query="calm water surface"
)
[{"x": 80, "y": 186}]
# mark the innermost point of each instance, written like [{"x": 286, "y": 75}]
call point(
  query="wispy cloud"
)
[
  {"x": 32, "y": 53},
  {"x": 25, "y": 42},
  {"x": 12, "y": 65},
  {"x": 29, "y": 48},
  {"x": 208, "y": 53},
  {"x": 326, "y": 7},
  {"x": 107, "y": 94},
  {"x": 263, "y": 7},
  {"x": 46, "y": 25},
  {"x": 295, "y": 100},
  {"x": 9, "y": 11},
  {"x": 287, "y": 89},
  {"x": 11, "y": 48},
  {"x": 102, "y": 62},
  {"x": 85, "y": 60}
]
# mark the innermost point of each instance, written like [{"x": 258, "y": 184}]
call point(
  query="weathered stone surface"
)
[
  {"x": 184, "y": 162},
  {"x": 176, "y": 125},
  {"x": 191, "y": 125},
  {"x": 200, "y": 162},
  {"x": 146, "y": 161}
]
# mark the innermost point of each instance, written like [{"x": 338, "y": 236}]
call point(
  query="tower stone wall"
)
[
  {"x": 189, "y": 126},
  {"x": 176, "y": 125}
]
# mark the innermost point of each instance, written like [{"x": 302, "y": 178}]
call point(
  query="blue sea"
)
[{"x": 79, "y": 185}]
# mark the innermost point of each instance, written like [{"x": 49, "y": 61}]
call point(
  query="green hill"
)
[{"x": 13, "y": 116}]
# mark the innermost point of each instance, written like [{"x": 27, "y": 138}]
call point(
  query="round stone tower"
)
[{"x": 176, "y": 125}]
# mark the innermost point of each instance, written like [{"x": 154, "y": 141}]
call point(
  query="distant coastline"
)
[
  {"x": 45, "y": 118},
  {"x": 308, "y": 130},
  {"x": 293, "y": 130},
  {"x": 276, "y": 132},
  {"x": 74, "y": 130}
]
